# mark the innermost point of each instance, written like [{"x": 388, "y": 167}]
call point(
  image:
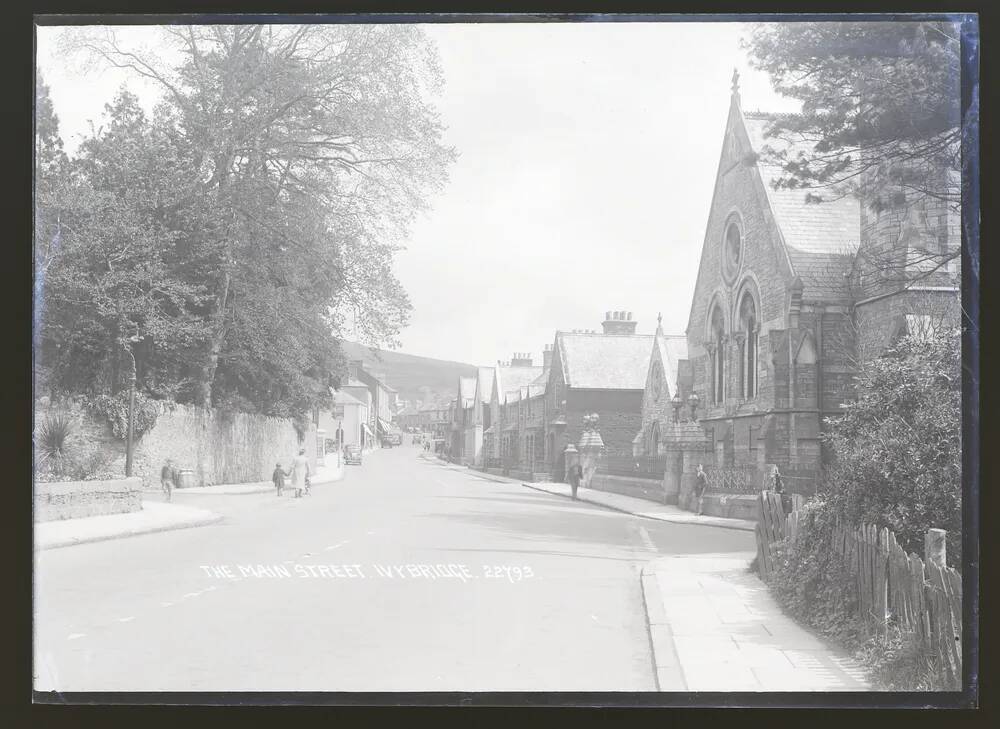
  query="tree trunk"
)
[{"x": 215, "y": 343}]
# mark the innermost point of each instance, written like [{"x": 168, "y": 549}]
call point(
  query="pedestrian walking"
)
[
  {"x": 575, "y": 475},
  {"x": 300, "y": 473},
  {"x": 167, "y": 478},
  {"x": 700, "y": 486},
  {"x": 278, "y": 477}
]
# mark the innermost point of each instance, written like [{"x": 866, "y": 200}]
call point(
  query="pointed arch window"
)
[
  {"x": 749, "y": 346},
  {"x": 717, "y": 355}
]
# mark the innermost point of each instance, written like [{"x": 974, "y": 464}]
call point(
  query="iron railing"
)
[
  {"x": 736, "y": 479},
  {"x": 494, "y": 463}
]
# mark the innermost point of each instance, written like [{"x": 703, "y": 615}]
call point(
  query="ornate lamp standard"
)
[
  {"x": 676, "y": 402},
  {"x": 693, "y": 400}
]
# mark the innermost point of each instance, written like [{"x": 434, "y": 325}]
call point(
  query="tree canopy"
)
[
  {"x": 235, "y": 230},
  {"x": 880, "y": 105}
]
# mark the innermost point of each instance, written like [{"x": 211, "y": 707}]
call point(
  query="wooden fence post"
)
[{"x": 935, "y": 547}]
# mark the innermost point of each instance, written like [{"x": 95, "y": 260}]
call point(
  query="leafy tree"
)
[
  {"x": 111, "y": 279},
  {"x": 880, "y": 119},
  {"x": 312, "y": 148},
  {"x": 898, "y": 446}
]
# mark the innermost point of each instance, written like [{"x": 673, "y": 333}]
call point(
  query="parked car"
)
[
  {"x": 352, "y": 455},
  {"x": 393, "y": 439}
]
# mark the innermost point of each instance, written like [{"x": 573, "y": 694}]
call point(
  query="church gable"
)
[{"x": 742, "y": 244}]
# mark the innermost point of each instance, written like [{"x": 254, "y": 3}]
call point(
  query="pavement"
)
[
  {"x": 324, "y": 474},
  {"x": 157, "y": 516},
  {"x": 619, "y": 502},
  {"x": 715, "y": 627},
  {"x": 154, "y": 517}
]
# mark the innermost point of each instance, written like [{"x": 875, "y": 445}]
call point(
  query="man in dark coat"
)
[
  {"x": 700, "y": 486},
  {"x": 575, "y": 475},
  {"x": 168, "y": 475}
]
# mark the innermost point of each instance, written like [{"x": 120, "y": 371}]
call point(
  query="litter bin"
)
[{"x": 186, "y": 479}]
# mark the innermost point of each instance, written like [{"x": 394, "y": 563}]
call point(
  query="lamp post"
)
[
  {"x": 677, "y": 402},
  {"x": 130, "y": 430},
  {"x": 693, "y": 402}
]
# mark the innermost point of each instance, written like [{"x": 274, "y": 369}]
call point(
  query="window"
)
[
  {"x": 732, "y": 245},
  {"x": 717, "y": 356},
  {"x": 748, "y": 346}
]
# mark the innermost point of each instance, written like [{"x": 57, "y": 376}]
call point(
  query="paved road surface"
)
[{"x": 141, "y": 614}]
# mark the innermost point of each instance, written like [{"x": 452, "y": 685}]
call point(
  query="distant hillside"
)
[{"x": 416, "y": 378}]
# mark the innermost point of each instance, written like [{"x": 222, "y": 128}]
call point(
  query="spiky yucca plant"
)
[{"x": 52, "y": 440}]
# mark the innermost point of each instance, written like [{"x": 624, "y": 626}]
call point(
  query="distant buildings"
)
[{"x": 789, "y": 296}]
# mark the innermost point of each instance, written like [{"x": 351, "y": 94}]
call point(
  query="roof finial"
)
[
  {"x": 736, "y": 82},
  {"x": 659, "y": 323}
]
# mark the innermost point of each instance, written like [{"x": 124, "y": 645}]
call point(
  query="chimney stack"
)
[
  {"x": 619, "y": 322},
  {"x": 547, "y": 356},
  {"x": 521, "y": 359}
]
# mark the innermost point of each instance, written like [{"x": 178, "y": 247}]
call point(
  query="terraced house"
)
[{"x": 503, "y": 439}]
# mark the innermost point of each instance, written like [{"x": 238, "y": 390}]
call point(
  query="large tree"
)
[{"x": 300, "y": 155}]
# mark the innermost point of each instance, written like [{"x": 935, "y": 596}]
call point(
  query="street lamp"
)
[
  {"x": 693, "y": 402},
  {"x": 677, "y": 402}
]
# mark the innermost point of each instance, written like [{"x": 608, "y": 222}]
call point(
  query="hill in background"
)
[{"x": 416, "y": 378}]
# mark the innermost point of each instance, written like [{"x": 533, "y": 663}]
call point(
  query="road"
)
[{"x": 538, "y": 593}]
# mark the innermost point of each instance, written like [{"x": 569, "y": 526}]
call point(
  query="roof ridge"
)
[{"x": 760, "y": 115}]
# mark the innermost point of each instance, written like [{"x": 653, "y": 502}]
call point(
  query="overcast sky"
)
[{"x": 588, "y": 153}]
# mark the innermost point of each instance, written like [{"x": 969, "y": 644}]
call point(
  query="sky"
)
[{"x": 587, "y": 159}]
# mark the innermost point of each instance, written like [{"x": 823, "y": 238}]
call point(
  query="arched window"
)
[
  {"x": 718, "y": 355},
  {"x": 653, "y": 448},
  {"x": 748, "y": 327}
]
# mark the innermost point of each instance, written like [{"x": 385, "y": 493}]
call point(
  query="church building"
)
[{"x": 782, "y": 303}]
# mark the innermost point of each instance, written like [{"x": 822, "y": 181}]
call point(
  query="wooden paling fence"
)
[{"x": 920, "y": 595}]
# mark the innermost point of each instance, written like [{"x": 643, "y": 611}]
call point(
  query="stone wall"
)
[
  {"x": 638, "y": 488},
  {"x": 218, "y": 447},
  {"x": 74, "y": 499}
]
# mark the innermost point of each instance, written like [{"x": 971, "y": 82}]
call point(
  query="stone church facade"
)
[{"x": 782, "y": 304}]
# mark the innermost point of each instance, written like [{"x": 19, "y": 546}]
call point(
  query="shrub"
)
[
  {"x": 52, "y": 441},
  {"x": 898, "y": 446},
  {"x": 76, "y": 464},
  {"x": 115, "y": 410}
]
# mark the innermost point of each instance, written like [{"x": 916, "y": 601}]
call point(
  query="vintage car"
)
[{"x": 352, "y": 455}]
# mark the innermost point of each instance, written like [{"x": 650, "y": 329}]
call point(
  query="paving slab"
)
[
  {"x": 154, "y": 517},
  {"x": 631, "y": 505},
  {"x": 719, "y": 623}
]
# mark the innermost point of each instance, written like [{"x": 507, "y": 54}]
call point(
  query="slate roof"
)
[
  {"x": 605, "y": 361},
  {"x": 510, "y": 379},
  {"x": 819, "y": 237}
]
